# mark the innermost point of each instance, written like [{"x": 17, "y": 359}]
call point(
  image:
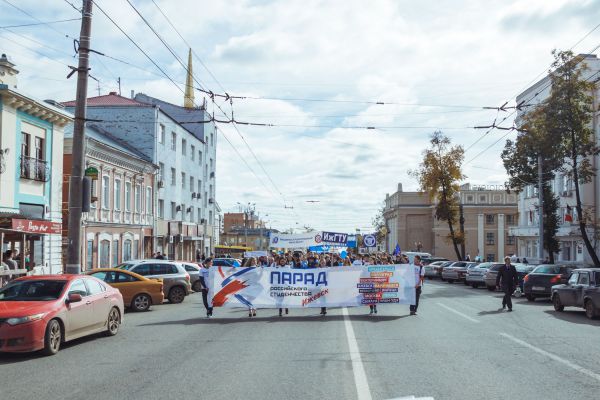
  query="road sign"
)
[
  {"x": 369, "y": 240},
  {"x": 92, "y": 173}
]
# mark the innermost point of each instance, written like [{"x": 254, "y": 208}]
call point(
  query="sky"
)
[{"x": 319, "y": 68}]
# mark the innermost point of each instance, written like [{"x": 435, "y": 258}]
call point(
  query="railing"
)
[{"x": 34, "y": 169}]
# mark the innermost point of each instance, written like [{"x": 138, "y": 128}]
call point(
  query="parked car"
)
[
  {"x": 539, "y": 282},
  {"x": 176, "y": 281},
  {"x": 411, "y": 255},
  {"x": 139, "y": 292},
  {"x": 522, "y": 271},
  {"x": 581, "y": 290},
  {"x": 476, "y": 276},
  {"x": 428, "y": 260},
  {"x": 227, "y": 262},
  {"x": 41, "y": 312},
  {"x": 434, "y": 270},
  {"x": 457, "y": 271},
  {"x": 489, "y": 277},
  {"x": 194, "y": 270}
]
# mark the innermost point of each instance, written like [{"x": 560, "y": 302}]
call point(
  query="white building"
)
[
  {"x": 572, "y": 247},
  {"x": 31, "y": 171}
]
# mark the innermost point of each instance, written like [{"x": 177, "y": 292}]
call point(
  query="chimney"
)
[
  {"x": 400, "y": 187},
  {"x": 112, "y": 93},
  {"x": 8, "y": 74},
  {"x": 132, "y": 93}
]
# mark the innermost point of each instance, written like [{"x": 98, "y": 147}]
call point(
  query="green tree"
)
[
  {"x": 378, "y": 223},
  {"x": 569, "y": 115},
  {"x": 520, "y": 158},
  {"x": 439, "y": 175}
]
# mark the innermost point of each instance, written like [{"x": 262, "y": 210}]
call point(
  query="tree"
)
[
  {"x": 520, "y": 160},
  {"x": 569, "y": 114},
  {"x": 439, "y": 175},
  {"x": 378, "y": 223}
]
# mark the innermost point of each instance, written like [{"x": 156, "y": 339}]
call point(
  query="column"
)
[
  {"x": 501, "y": 238},
  {"x": 480, "y": 234}
]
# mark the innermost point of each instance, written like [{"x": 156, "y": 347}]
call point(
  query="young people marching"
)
[{"x": 251, "y": 263}]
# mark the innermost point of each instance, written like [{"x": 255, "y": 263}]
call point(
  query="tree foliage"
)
[{"x": 439, "y": 175}]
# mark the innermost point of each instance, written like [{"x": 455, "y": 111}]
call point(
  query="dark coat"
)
[{"x": 508, "y": 277}]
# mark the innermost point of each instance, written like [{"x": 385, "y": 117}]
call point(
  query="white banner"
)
[
  {"x": 290, "y": 241},
  {"x": 316, "y": 287}
]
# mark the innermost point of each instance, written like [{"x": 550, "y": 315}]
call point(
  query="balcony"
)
[{"x": 34, "y": 169}]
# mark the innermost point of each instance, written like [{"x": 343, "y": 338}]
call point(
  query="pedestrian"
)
[
  {"x": 419, "y": 278},
  {"x": 10, "y": 262},
  {"x": 508, "y": 277},
  {"x": 251, "y": 263},
  {"x": 281, "y": 263},
  {"x": 468, "y": 257},
  {"x": 204, "y": 284},
  {"x": 518, "y": 260},
  {"x": 198, "y": 255},
  {"x": 525, "y": 261}
]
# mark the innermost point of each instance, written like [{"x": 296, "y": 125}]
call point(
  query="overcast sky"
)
[{"x": 438, "y": 63}]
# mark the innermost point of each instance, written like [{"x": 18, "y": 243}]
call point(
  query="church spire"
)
[{"x": 188, "y": 99}]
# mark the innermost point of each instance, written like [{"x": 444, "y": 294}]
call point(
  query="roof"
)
[
  {"x": 100, "y": 135},
  {"x": 111, "y": 99}
]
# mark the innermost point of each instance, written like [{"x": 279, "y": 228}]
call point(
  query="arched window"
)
[
  {"x": 104, "y": 254},
  {"x": 127, "y": 250}
]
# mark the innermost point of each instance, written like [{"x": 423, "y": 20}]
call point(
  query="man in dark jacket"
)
[{"x": 510, "y": 280}]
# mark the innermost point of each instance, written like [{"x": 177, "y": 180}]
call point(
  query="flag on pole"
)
[
  {"x": 569, "y": 214},
  {"x": 397, "y": 250}
]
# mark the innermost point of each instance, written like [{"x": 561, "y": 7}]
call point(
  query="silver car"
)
[
  {"x": 476, "y": 276},
  {"x": 175, "y": 279},
  {"x": 434, "y": 270},
  {"x": 194, "y": 270}
]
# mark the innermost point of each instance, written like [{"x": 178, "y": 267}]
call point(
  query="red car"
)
[{"x": 42, "y": 312}]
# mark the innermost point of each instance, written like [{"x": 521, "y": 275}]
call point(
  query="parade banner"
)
[
  {"x": 316, "y": 287},
  {"x": 291, "y": 241},
  {"x": 335, "y": 238}
]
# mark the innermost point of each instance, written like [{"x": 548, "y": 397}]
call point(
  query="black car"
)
[
  {"x": 581, "y": 290},
  {"x": 428, "y": 260},
  {"x": 522, "y": 271},
  {"x": 539, "y": 282}
]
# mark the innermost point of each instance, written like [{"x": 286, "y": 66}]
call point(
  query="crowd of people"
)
[{"x": 310, "y": 260}]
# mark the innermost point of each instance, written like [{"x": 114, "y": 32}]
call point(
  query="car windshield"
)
[
  {"x": 485, "y": 265},
  {"x": 32, "y": 290},
  {"x": 523, "y": 268},
  {"x": 126, "y": 266},
  {"x": 547, "y": 269}
]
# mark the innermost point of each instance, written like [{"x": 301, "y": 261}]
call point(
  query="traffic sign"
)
[{"x": 369, "y": 240}]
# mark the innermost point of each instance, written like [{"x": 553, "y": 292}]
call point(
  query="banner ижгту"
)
[{"x": 316, "y": 287}]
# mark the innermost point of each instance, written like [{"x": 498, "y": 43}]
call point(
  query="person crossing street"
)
[
  {"x": 419, "y": 278},
  {"x": 204, "y": 283},
  {"x": 507, "y": 279}
]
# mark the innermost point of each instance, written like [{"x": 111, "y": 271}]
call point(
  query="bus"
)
[{"x": 233, "y": 251}]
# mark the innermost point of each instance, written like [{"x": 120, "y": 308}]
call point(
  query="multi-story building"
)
[
  {"x": 119, "y": 225},
  {"x": 488, "y": 214},
  {"x": 572, "y": 248},
  {"x": 245, "y": 229},
  {"x": 31, "y": 150}
]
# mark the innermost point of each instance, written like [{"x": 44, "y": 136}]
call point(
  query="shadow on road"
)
[
  {"x": 483, "y": 313},
  {"x": 574, "y": 316},
  {"x": 274, "y": 319}
]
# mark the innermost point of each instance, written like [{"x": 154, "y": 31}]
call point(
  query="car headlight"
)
[{"x": 24, "y": 320}]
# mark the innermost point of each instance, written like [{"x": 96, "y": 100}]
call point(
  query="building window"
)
[
  {"x": 117, "y": 194},
  {"x": 161, "y": 209},
  {"x": 183, "y": 212},
  {"x": 212, "y": 137},
  {"x": 89, "y": 256},
  {"x": 161, "y": 134},
  {"x": 183, "y": 147},
  {"x": 191, "y": 183},
  {"x": 105, "y": 192},
  {"x": 200, "y": 157},
  {"x": 211, "y": 165},
  {"x": 191, "y": 214},
  {"x": 161, "y": 171},
  {"x": 173, "y": 141},
  {"x": 489, "y": 238},
  {"x": 104, "y": 254},
  {"x": 193, "y": 152},
  {"x": 149, "y": 200},
  {"x": 173, "y": 177},
  {"x": 127, "y": 196},
  {"x": 135, "y": 250},
  {"x": 482, "y": 199},
  {"x": 39, "y": 148},
  {"x": 510, "y": 219},
  {"x": 199, "y": 215},
  {"x": 210, "y": 217},
  {"x": 173, "y": 210},
  {"x": 115, "y": 253},
  {"x": 210, "y": 191},
  {"x": 490, "y": 257},
  {"x": 489, "y": 219},
  {"x": 469, "y": 198},
  {"x": 183, "y": 180},
  {"x": 126, "y": 250},
  {"x": 25, "y": 144},
  {"x": 199, "y": 186},
  {"x": 510, "y": 240},
  {"x": 138, "y": 199}
]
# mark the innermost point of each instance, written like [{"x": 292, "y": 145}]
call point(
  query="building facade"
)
[
  {"x": 31, "y": 150},
  {"x": 119, "y": 225},
  {"x": 572, "y": 248},
  {"x": 488, "y": 214},
  {"x": 186, "y": 157}
]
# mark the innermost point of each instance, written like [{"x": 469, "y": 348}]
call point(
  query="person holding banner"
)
[
  {"x": 204, "y": 284},
  {"x": 282, "y": 263},
  {"x": 419, "y": 278},
  {"x": 251, "y": 263}
]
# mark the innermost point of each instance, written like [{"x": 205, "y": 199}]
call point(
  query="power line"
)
[{"x": 40, "y": 23}]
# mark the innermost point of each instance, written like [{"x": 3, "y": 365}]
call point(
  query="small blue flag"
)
[{"x": 397, "y": 250}]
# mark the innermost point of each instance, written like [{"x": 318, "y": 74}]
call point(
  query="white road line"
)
[
  {"x": 458, "y": 313},
  {"x": 554, "y": 357},
  {"x": 360, "y": 377}
]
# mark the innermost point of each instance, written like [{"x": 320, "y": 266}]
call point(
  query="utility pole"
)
[
  {"x": 540, "y": 211},
  {"x": 73, "y": 265},
  {"x": 461, "y": 222},
  {"x": 119, "y": 82}
]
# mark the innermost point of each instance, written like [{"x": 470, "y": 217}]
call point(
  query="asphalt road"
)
[{"x": 459, "y": 346}]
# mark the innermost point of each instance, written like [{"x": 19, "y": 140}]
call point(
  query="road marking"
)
[
  {"x": 554, "y": 357},
  {"x": 458, "y": 313},
  {"x": 360, "y": 377}
]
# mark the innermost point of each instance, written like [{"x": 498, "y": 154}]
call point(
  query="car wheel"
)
[
  {"x": 113, "y": 323},
  {"x": 141, "y": 302},
  {"x": 491, "y": 288},
  {"x": 197, "y": 286},
  {"x": 465, "y": 282},
  {"x": 450, "y": 280},
  {"x": 176, "y": 295},
  {"x": 590, "y": 310},
  {"x": 474, "y": 285},
  {"x": 530, "y": 297},
  {"x": 556, "y": 303},
  {"x": 52, "y": 338}
]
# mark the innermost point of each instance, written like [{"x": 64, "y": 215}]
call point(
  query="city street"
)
[{"x": 458, "y": 347}]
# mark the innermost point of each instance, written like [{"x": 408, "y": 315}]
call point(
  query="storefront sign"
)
[
  {"x": 92, "y": 173},
  {"x": 41, "y": 227}
]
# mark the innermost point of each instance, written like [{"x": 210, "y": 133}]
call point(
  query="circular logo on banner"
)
[
  {"x": 275, "y": 239},
  {"x": 318, "y": 238},
  {"x": 369, "y": 240}
]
